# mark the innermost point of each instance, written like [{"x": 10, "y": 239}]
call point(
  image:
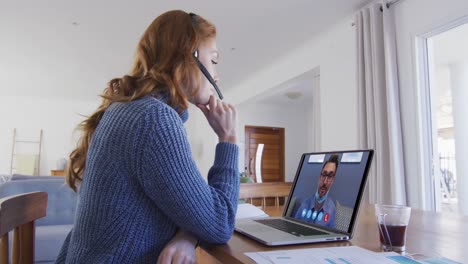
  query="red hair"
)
[{"x": 163, "y": 63}]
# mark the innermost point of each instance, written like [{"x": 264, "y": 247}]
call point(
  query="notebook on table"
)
[{"x": 323, "y": 203}]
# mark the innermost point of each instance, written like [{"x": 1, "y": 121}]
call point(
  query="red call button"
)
[{"x": 326, "y": 218}]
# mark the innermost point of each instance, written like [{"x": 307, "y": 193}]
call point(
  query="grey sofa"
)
[
  {"x": 16, "y": 177},
  {"x": 51, "y": 230}
]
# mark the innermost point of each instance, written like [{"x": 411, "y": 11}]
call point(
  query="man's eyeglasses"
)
[{"x": 328, "y": 176}]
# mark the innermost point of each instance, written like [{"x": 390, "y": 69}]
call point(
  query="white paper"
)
[
  {"x": 247, "y": 210},
  {"x": 327, "y": 255}
]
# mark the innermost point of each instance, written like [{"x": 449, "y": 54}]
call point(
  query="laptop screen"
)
[{"x": 328, "y": 188}]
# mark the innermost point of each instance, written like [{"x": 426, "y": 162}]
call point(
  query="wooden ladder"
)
[{"x": 14, "y": 151}]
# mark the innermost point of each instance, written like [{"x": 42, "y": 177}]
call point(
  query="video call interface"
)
[{"x": 328, "y": 187}]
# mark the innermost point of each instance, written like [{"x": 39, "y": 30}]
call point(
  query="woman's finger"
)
[
  {"x": 212, "y": 103},
  {"x": 225, "y": 107},
  {"x": 163, "y": 259}
]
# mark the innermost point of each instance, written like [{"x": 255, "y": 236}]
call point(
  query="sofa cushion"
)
[
  {"x": 16, "y": 177},
  {"x": 49, "y": 241}
]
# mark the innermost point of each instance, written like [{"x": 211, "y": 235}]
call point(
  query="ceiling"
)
[
  {"x": 296, "y": 92},
  {"x": 71, "y": 48}
]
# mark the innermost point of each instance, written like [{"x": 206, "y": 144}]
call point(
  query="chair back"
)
[
  {"x": 18, "y": 213},
  {"x": 265, "y": 190},
  {"x": 61, "y": 199}
]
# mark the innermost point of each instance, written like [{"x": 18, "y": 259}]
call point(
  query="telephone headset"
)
[{"x": 200, "y": 65}]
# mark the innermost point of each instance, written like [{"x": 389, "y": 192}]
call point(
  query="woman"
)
[{"x": 141, "y": 195}]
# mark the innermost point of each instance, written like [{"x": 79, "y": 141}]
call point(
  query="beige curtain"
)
[{"x": 378, "y": 102}]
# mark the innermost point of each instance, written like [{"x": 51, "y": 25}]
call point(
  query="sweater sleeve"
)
[{"x": 170, "y": 177}]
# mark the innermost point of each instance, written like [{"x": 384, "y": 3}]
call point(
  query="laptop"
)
[{"x": 323, "y": 203}]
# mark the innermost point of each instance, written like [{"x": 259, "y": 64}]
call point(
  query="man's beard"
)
[{"x": 323, "y": 189}]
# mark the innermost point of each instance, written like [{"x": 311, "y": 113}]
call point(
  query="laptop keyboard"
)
[{"x": 291, "y": 228}]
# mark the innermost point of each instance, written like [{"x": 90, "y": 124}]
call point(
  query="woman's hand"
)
[
  {"x": 222, "y": 117},
  {"x": 180, "y": 250}
]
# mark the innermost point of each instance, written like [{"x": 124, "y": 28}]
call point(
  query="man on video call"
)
[{"x": 319, "y": 208}]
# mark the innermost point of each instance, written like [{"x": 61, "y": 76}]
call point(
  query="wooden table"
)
[
  {"x": 429, "y": 234},
  {"x": 57, "y": 172}
]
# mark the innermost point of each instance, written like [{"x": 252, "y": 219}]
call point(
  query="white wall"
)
[
  {"x": 413, "y": 18},
  {"x": 459, "y": 84},
  {"x": 57, "y": 118},
  {"x": 334, "y": 52},
  {"x": 292, "y": 119}
]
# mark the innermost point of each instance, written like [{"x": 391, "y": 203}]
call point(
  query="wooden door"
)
[{"x": 272, "y": 163}]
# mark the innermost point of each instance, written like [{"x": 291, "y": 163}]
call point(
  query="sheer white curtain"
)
[{"x": 378, "y": 102}]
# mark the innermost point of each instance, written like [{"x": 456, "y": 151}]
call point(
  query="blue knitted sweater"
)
[{"x": 141, "y": 184}]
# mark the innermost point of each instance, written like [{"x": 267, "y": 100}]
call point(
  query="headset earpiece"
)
[{"x": 200, "y": 65}]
